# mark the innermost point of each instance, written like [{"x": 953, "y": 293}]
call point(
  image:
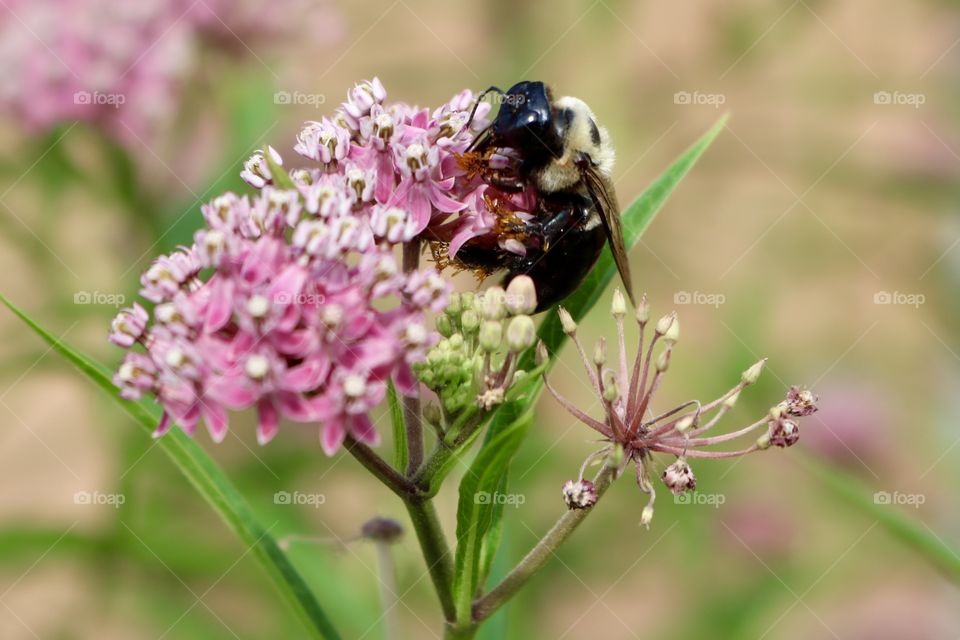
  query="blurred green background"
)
[{"x": 820, "y": 230}]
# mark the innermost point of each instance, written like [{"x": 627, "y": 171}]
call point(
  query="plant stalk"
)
[
  {"x": 411, "y": 404},
  {"x": 541, "y": 553},
  {"x": 435, "y": 551}
]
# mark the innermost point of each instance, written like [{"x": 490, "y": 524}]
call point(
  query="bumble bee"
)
[{"x": 560, "y": 152}]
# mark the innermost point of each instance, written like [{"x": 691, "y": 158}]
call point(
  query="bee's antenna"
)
[{"x": 480, "y": 98}]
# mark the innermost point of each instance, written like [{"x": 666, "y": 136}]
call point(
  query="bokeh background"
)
[{"x": 820, "y": 230}]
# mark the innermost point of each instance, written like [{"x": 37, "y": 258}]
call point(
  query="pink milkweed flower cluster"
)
[
  {"x": 119, "y": 65},
  {"x": 290, "y": 301},
  {"x": 633, "y": 432}
]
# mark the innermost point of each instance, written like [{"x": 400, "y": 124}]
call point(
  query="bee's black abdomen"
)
[{"x": 573, "y": 242}]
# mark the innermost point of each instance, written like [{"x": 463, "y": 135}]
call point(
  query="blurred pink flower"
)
[
  {"x": 120, "y": 65},
  {"x": 854, "y": 426}
]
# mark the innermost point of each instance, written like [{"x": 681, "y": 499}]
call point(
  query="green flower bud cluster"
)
[{"x": 482, "y": 338}]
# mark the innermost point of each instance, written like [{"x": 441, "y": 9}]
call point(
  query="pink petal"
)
[
  {"x": 361, "y": 428},
  {"x": 331, "y": 436},
  {"x": 268, "y": 421},
  {"x": 220, "y": 304},
  {"x": 306, "y": 376},
  {"x": 233, "y": 391},
  {"x": 286, "y": 287},
  {"x": 443, "y": 202},
  {"x": 163, "y": 427},
  {"x": 216, "y": 418},
  {"x": 406, "y": 382},
  {"x": 295, "y": 407}
]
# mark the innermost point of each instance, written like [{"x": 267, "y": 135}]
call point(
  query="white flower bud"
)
[
  {"x": 763, "y": 442},
  {"x": 521, "y": 296},
  {"x": 491, "y": 334},
  {"x": 542, "y": 354},
  {"x": 469, "y": 321},
  {"x": 600, "y": 352},
  {"x": 673, "y": 332},
  {"x": 753, "y": 373},
  {"x": 663, "y": 324},
  {"x": 683, "y": 424},
  {"x": 618, "y": 306},
  {"x": 732, "y": 400},
  {"x": 521, "y": 333},
  {"x": 663, "y": 361},
  {"x": 643, "y": 311},
  {"x": 493, "y": 306},
  {"x": 566, "y": 321},
  {"x": 610, "y": 391},
  {"x": 647, "y": 516}
]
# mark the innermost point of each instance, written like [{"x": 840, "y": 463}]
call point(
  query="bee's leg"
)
[{"x": 507, "y": 182}]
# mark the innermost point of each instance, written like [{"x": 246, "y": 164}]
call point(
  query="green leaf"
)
[
  {"x": 211, "y": 483},
  {"x": 278, "y": 175},
  {"x": 476, "y": 508},
  {"x": 399, "y": 427},
  {"x": 917, "y": 537}
]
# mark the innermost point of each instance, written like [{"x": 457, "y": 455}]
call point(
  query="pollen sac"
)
[
  {"x": 679, "y": 478},
  {"x": 580, "y": 494},
  {"x": 801, "y": 402},
  {"x": 783, "y": 432}
]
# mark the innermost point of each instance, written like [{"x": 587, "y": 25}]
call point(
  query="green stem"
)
[
  {"x": 411, "y": 404},
  {"x": 540, "y": 554},
  {"x": 456, "y": 632},
  {"x": 435, "y": 551},
  {"x": 383, "y": 471}
]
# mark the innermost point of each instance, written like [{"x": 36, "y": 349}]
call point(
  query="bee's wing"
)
[{"x": 605, "y": 200}]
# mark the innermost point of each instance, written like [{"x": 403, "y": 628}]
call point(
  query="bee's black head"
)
[{"x": 525, "y": 121}]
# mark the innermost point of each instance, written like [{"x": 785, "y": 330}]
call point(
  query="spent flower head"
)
[{"x": 627, "y": 388}]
